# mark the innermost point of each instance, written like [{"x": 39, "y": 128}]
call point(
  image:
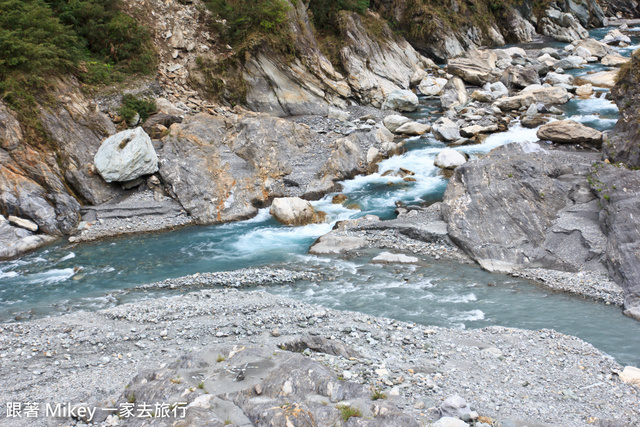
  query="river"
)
[{"x": 91, "y": 276}]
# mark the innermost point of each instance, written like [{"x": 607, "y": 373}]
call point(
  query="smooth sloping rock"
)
[
  {"x": 413, "y": 128},
  {"x": 595, "y": 48},
  {"x": 454, "y": 94},
  {"x": 569, "y": 132},
  {"x": 449, "y": 159},
  {"x": 446, "y": 130},
  {"x": 401, "y": 100},
  {"x": 332, "y": 244},
  {"x": 23, "y": 223},
  {"x": 391, "y": 258},
  {"x": 394, "y": 121},
  {"x": 614, "y": 60},
  {"x": 126, "y": 156},
  {"x": 525, "y": 206},
  {"x": 295, "y": 211}
]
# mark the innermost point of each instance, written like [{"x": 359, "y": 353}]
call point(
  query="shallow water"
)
[{"x": 91, "y": 276}]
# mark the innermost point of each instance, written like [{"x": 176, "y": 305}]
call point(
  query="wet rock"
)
[
  {"x": 569, "y": 132},
  {"x": 126, "y": 156},
  {"x": 401, "y": 100},
  {"x": 391, "y": 258},
  {"x": 295, "y": 211},
  {"x": 449, "y": 159}
]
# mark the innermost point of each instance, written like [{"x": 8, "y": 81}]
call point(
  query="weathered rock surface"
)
[
  {"x": 446, "y": 130},
  {"x": 394, "y": 121},
  {"x": 518, "y": 77},
  {"x": 569, "y": 132},
  {"x": 454, "y": 94},
  {"x": 16, "y": 241},
  {"x": 614, "y": 60},
  {"x": 600, "y": 79},
  {"x": 432, "y": 86},
  {"x": 413, "y": 128},
  {"x": 525, "y": 206},
  {"x": 295, "y": 211},
  {"x": 533, "y": 94},
  {"x": 126, "y": 156},
  {"x": 473, "y": 70},
  {"x": 562, "y": 26},
  {"x": 224, "y": 169},
  {"x": 619, "y": 194}
]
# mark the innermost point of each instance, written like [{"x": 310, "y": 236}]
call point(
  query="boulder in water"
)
[
  {"x": 446, "y": 130},
  {"x": 394, "y": 121},
  {"x": 126, "y": 156},
  {"x": 449, "y": 159},
  {"x": 295, "y": 211},
  {"x": 401, "y": 100},
  {"x": 569, "y": 132}
]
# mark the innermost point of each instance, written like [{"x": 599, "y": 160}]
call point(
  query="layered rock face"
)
[
  {"x": 224, "y": 169},
  {"x": 309, "y": 83}
]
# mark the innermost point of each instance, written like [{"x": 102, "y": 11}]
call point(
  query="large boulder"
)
[
  {"x": 595, "y": 48},
  {"x": 401, "y": 100},
  {"x": 569, "y": 132},
  {"x": 534, "y": 95},
  {"x": 295, "y": 211},
  {"x": 614, "y": 60},
  {"x": 475, "y": 71},
  {"x": 600, "y": 79},
  {"x": 432, "y": 86},
  {"x": 556, "y": 79},
  {"x": 394, "y": 121},
  {"x": 449, "y": 159},
  {"x": 446, "y": 130},
  {"x": 523, "y": 206},
  {"x": 615, "y": 37},
  {"x": 16, "y": 241},
  {"x": 413, "y": 128},
  {"x": 454, "y": 94},
  {"x": 126, "y": 156},
  {"x": 518, "y": 77}
]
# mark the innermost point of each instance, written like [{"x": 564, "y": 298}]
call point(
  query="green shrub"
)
[
  {"x": 246, "y": 19},
  {"x": 132, "y": 106},
  {"x": 325, "y": 12}
]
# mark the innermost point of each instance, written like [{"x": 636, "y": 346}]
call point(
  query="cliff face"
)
[{"x": 624, "y": 144}]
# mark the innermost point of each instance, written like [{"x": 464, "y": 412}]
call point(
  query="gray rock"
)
[
  {"x": 334, "y": 244},
  {"x": 473, "y": 70},
  {"x": 454, "y": 406},
  {"x": 446, "y": 130},
  {"x": 337, "y": 114},
  {"x": 519, "y": 77},
  {"x": 394, "y": 121},
  {"x": 570, "y": 132},
  {"x": 449, "y": 159},
  {"x": 449, "y": 422},
  {"x": 413, "y": 128},
  {"x": 454, "y": 94},
  {"x": 537, "y": 218},
  {"x": 562, "y": 26},
  {"x": 16, "y": 241},
  {"x": 391, "y": 258},
  {"x": 557, "y": 79},
  {"x": 431, "y": 86},
  {"x": 295, "y": 211},
  {"x": 126, "y": 156},
  {"x": 401, "y": 100}
]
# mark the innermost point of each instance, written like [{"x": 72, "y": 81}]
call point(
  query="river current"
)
[{"x": 91, "y": 276}]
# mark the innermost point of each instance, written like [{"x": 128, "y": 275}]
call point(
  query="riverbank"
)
[{"x": 538, "y": 377}]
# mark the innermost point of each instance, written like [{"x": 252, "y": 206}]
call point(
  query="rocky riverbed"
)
[{"x": 507, "y": 376}]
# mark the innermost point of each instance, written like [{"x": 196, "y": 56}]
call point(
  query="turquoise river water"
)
[{"x": 91, "y": 276}]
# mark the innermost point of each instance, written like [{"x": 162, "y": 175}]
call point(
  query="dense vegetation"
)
[{"x": 44, "y": 39}]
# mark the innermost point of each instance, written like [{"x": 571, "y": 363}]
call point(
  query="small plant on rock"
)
[
  {"x": 378, "y": 394},
  {"x": 349, "y": 411}
]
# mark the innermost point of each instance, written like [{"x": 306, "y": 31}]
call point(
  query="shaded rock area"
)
[
  {"x": 623, "y": 145},
  {"x": 523, "y": 206},
  {"x": 234, "y": 357}
]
